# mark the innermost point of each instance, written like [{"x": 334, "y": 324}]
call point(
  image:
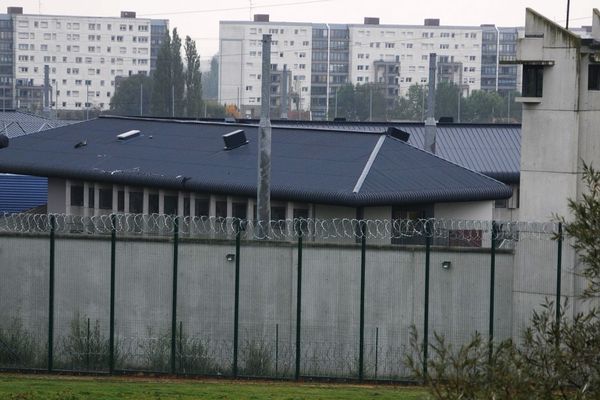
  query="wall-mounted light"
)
[
  {"x": 230, "y": 257},
  {"x": 446, "y": 265}
]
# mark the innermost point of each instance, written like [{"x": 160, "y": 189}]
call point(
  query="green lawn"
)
[{"x": 32, "y": 387}]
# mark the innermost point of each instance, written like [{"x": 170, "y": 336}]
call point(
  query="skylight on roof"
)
[{"x": 128, "y": 135}]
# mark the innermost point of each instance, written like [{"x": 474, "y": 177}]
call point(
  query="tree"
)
[
  {"x": 446, "y": 100},
  {"x": 193, "y": 80},
  {"x": 126, "y": 99},
  {"x": 412, "y": 106},
  {"x": 161, "y": 99},
  {"x": 177, "y": 76},
  {"x": 169, "y": 84},
  {"x": 482, "y": 106},
  {"x": 210, "y": 79}
]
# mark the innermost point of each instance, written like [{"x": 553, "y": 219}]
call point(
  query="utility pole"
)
[
  {"x": 284, "y": 93},
  {"x": 87, "y": 101},
  {"x": 263, "y": 190},
  {"x": 173, "y": 101},
  {"x": 459, "y": 97},
  {"x": 568, "y": 9},
  {"x": 336, "y": 94},
  {"x": 430, "y": 124},
  {"x": 508, "y": 109}
]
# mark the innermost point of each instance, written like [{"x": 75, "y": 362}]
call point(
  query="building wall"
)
[
  {"x": 85, "y": 55},
  {"x": 7, "y": 64},
  {"x": 481, "y": 210},
  {"x": 325, "y": 56},
  {"x": 240, "y": 63},
  {"x": 410, "y": 45}
]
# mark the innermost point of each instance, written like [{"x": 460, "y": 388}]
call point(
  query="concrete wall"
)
[
  {"x": 268, "y": 280},
  {"x": 481, "y": 210}
]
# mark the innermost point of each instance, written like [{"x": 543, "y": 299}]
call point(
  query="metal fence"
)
[{"x": 304, "y": 298}]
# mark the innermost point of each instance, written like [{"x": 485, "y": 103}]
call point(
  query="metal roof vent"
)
[
  {"x": 398, "y": 134},
  {"x": 234, "y": 139},
  {"x": 128, "y": 135},
  {"x": 3, "y": 141}
]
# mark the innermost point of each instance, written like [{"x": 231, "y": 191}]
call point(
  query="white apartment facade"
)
[
  {"x": 322, "y": 57},
  {"x": 240, "y": 63},
  {"x": 84, "y": 56},
  {"x": 410, "y": 46}
]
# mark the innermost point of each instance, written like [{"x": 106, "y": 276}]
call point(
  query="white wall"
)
[
  {"x": 48, "y": 39},
  {"x": 480, "y": 210}
]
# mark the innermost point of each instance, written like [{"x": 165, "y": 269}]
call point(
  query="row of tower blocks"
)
[{"x": 319, "y": 58}]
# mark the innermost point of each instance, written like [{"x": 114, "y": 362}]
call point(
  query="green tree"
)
[
  {"x": 177, "y": 75},
  {"x": 483, "y": 107},
  {"x": 412, "y": 106},
  {"x": 210, "y": 80},
  {"x": 169, "y": 81},
  {"x": 446, "y": 100},
  {"x": 193, "y": 80},
  {"x": 161, "y": 99},
  {"x": 126, "y": 99}
]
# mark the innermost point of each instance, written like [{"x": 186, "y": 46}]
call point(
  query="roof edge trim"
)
[{"x": 369, "y": 164}]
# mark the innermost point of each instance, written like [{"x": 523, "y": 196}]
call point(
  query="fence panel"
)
[
  {"x": 205, "y": 306},
  {"x": 330, "y": 310},
  {"x": 143, "y": 300},
  {"x": 24, "y": 268},
  {"x": 82, "y": 290},
  {"x": 267, "y": 309},
  {"x": 394, "y": 287}
]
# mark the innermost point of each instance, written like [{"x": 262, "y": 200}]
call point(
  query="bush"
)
[
  {"x": 85, "y": 347},
  {"x": 18, "y": 347}
]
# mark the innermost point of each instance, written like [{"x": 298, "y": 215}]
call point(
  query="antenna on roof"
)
[{"x": 568, "y": 8}]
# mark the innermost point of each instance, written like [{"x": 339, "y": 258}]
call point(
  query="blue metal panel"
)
[{"x": 20, "y": 192}]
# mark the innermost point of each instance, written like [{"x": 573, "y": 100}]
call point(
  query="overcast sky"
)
[{"x": 200, "y": 19}]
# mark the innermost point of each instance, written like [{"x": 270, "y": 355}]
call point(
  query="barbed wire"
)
[{"x": 474, "y": 233}]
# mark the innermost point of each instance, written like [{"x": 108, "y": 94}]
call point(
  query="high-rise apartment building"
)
[
  {"x": 6, "y": 62},
  {"x": 394, "y": 57},
  {"x": 84, "y": 56},
  {"x": 499, "y": 45}
]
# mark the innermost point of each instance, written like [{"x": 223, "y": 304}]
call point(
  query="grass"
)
[{"x": 38, "y": 387}]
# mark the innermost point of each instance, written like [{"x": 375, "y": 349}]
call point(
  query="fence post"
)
[
  {"x": 428, "y": 235},
  {"x": 298, "y": 306},
  {"x": 51, "y": 294},
  {"x": 363, "y": 261},
  {"x": 492, "y": 287},
  {"x": 113, "y": 252},
  {"x": 174, "y": 300},
  {"x": 236, "y": 309},
  {"x": 559, "y": 274}
]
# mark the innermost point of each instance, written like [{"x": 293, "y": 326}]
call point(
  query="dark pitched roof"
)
[
  {"x": 17, "y": 123},
  {"x": 492, "y": 149},
  {"x": 307, "y": 165}
]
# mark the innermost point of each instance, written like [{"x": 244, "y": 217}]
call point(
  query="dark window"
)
[
  {"x": 153, "y": 203},
  {"x": 221, "y": 209},
  {"x": 533, "y": 79},
  {"x": 300, "y": 213},
  {"x": 91, "y": 202},
  {"x": 171, "y": 205},
  {"x": 409, "y": 225},
  {"x": 239, "y": 210},
  {"x": 105, "y": 199},
  {"x": 136, "y": 202},
  {"x": 121, "y": 200},
  {"x": 186, "y": 206},
  {"x": 278, "y": 218},
  {"x": 503, "y": 203},
  {"x": 594, "y": 77},
  {"x": 77, "y": 196},
  {"x": 202, "y": 207}
]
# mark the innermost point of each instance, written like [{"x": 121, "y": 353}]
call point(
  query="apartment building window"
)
[
  {"x": 122, "y": 27},
  {"x": 78, "y": 105},
  {"x": 408, "y": 46},
  {"x": 594, "y": 77},
  {"x": 533, "y": 80},
  {"x": 472, "y": 58}
]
